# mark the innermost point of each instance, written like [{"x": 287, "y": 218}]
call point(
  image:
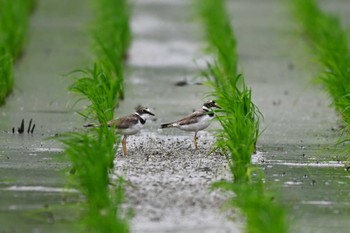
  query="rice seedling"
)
[
  {"x": 220, "y": 37},
  {"x": 112, "y": 36},
  {"x": 330, "y": 44},
  {"x": 6, "y": 75},
  {"x": 92, "y": 156},
  {"x": 240, "y": 120},
  {"x": 14, "y": 16},
  {"x": 239, "y": 116},
  {"x": 102, "y": 91},
  {"x": 259, "y": 206},
  {"x": 92, "y": 153}
]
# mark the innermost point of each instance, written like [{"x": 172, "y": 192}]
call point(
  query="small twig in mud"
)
[
  {"x": 30, "y": 124},
  {"x": 20, "y": 129},
  {"x": 186, "y": 83},
  {"x": 32, "y": 129}
]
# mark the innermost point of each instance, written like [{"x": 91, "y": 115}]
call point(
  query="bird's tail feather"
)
[
  {"x": 167, "y": 125},
  {"x": 89, "y": 125}
]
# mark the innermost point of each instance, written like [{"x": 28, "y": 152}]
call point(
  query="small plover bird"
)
[
  {"x": 128, "y": 125},
  {"x": 198, "y": 120}
]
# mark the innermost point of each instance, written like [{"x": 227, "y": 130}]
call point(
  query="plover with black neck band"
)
[
  {"x": 196, "y": 121},
  {"x": 128, "y": 125}
]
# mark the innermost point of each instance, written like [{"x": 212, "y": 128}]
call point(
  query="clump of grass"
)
[
  {"x": 330, "y": 44},
  {"x": 240, "y": 120},
  {"x": 220, "y": 37},
  {"x": 14, "y": 16},
  {"x": 100, "y": 90},
  {"x": 6, "y": 75},
  {"x": 262, "y": 212},
  {"x": 240, "y": 117},
  {"x": 112, "y": 36},
  {"x": 91, "y": 155}
]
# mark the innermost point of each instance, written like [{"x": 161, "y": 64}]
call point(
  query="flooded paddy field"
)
[{"x": 168, "y": 181}]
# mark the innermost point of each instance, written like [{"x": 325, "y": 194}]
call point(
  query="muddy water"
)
[
  {"x": 297, "y": 143},
  {"x": 33, "y": 187},
  {"x": 170, "y": 180}
]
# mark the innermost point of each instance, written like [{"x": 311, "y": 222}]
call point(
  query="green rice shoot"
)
[
  {"x": 240, "y": 119},
  {"x": 92, "y": 158},
  {"x": 92, "y": 153},
  {"x": 14, "y": 20},
  {"x": 6, "y": 75},
  {"x": 101, "y": 91},
  {"x": 239, "y": 116},
  {"x": 112, "y": 36},
  {"x": 330, "y": 45}
]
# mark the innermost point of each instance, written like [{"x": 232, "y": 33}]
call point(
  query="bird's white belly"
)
[
  {"x": 131, "y": 130},
  {"x": 203, "y": 123}
]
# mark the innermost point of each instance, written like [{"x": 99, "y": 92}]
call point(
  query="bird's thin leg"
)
[
  {"x": 124, "y": 145},
  {"x": 195, "y": 140}
]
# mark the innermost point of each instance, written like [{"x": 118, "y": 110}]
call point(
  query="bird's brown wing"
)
[
  {"x": 192, "y": 118},
  {"x": 124, "y": 122}
]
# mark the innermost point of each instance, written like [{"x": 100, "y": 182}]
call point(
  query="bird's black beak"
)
[
  {"x": 146, "y": 111},
  {"x": 217, "y": 106}
]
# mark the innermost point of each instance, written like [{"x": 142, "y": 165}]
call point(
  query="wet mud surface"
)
[
  {"x": 170, "y": 185},
  {"x": 168, "y": 181}
]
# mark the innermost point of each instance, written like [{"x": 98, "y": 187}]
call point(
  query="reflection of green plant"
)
[
  {"x": 112, "y": 36},
  {"x": 330, "y": 44},
  {"x": 240, "y": 119},
  {"x": 14, "y": 15}
]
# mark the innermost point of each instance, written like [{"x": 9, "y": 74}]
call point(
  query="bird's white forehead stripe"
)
[{"x": 205, "y": 108}]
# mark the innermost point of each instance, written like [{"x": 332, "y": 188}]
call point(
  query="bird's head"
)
[
  {"x": 209, "y": 105},
  {"x": 144, "y": 112}
]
